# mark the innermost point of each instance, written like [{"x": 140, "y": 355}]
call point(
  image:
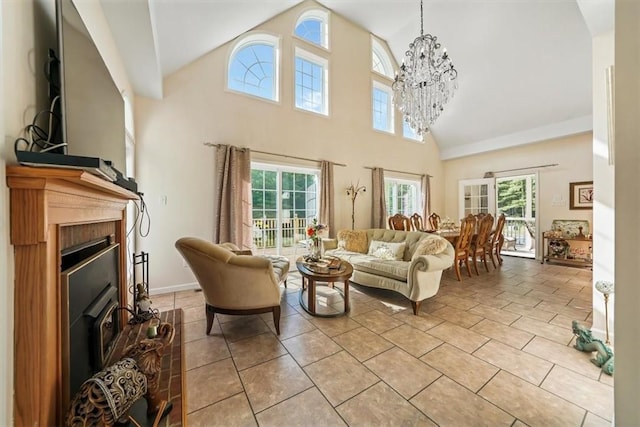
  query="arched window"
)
[
  {"x": 313, "y": 26},
  {"x": 253, "y": 66},
  {"x": 380, "y": 61}
]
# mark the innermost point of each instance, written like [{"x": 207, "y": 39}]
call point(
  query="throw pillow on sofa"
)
[
  {"x": 387, "y": 250},
  {"x": 353, "y": 240},
  {"x": 430, "y": 245}
]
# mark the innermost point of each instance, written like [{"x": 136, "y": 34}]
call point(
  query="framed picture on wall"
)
[{"x": 581, "y": 195}]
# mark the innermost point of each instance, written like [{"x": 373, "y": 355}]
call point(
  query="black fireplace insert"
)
[{"x": 90, "y": 290}]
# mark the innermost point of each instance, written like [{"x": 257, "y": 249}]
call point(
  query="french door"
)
[
  {"x": 476, "y": 196},
  {"x": 515, "y": 196},
  {"x": 285, "y": 200}
]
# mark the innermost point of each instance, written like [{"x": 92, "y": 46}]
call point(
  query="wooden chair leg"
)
[
  {"x": 466, "y": 263},
  {"x": 456, "y": 266},
  {"x": 210, "y": 315},
  {"x": 484, "y": 260},
  {"x": 475, "y": 264},
  {"x": 276, "y": 318},
  {"x": 416, "y": 307},
  {"x": 493, "y": 261}
]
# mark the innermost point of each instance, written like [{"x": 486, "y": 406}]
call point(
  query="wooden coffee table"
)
[{"x": 312, "y": 273}]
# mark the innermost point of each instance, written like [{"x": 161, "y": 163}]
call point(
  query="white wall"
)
[
  {"x": 27, "y": 33},
  {"x": 25, "y": 38},
  {"x": 197, "y": 108},
  {"x": 604, "y": 194},
  {"x": 574, "y": 159},
  {"x": 627, "y": 191}
]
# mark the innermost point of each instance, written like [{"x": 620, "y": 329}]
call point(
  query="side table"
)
[{"x": 312, "y": 273}]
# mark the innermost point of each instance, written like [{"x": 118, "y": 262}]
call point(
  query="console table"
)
[{"x": 579, "y": 252}]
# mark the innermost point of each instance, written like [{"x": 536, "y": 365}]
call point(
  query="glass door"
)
[
  {"x": 516, "y": 198},
  {"x": 285, "y": 200},
  {"x": 476, "y": 196}
]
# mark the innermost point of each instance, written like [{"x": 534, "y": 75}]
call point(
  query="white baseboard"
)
[{"x": 174, "y": 288}]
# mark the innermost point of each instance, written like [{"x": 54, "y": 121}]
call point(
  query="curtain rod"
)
[
  {"x": 490, "y": 174},
  {"x": 210, "y": 144},
  {"x": 408, "y": 173}
]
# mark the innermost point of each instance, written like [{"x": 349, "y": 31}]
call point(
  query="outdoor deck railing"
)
[
  {"x": 265, "y": 232},
  {"x": 523, "y": 230}
]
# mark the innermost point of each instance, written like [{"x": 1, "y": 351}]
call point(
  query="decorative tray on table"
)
[{"x": 324, "y": 265}]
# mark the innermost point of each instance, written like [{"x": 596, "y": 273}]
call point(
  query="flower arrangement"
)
[{"x": 314, "y": 229}]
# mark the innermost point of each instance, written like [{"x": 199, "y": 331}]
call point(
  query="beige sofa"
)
[{"x": 380, "y": 260}]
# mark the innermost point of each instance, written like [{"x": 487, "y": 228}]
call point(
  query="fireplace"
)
[{"x": 90, "y": 319}]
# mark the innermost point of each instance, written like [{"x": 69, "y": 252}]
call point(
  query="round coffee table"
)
[{"x": 312, "y": 273}]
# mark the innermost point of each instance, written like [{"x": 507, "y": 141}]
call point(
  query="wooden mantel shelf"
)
[
  {"x": 52, "y": 209},
  {"x": 52, "y": 178}
]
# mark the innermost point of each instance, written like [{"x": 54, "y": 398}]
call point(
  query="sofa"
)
[{"x": 408, "y": 262}]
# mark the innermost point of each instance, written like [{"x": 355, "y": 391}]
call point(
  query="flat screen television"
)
[{"x": 91, "y": 105}]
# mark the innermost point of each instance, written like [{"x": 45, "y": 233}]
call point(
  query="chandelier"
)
[{"x": 425, "y": 83}]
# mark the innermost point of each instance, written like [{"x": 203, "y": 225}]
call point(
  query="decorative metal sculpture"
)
[
  {"x": 105, "y": 398},
  {"x": 148, "y": 354},
  {"x": 586, "y": 342}
]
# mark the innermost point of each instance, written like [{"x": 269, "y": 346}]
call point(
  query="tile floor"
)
[{"x": 492, "y": 350}]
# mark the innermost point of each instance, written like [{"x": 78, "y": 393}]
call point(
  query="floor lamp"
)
[{"x": 353, "y": 191}]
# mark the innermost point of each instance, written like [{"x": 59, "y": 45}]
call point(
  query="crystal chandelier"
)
[{"x": 425, "y": 82}]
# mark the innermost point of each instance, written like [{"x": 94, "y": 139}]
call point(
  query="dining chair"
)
[
  {"x": 494, "y": 245},
  {"x": 434, "y": 221},
  {"x": 463, "y": 244},
  {"x": 416, "y": 222},
  {"x": 479, "y": 245},
  {"x": 399, "y": 222}
]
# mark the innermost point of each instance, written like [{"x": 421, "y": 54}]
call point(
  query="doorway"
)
[
  {"x": 516, "y": 197},
  {"x": 284, "y": 201}
]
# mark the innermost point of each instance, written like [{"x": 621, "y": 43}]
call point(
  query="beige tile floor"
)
[{"x": 492, "y": 350}]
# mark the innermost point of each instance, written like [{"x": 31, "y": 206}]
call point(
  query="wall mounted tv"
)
[{"x": 92, "y": 107}]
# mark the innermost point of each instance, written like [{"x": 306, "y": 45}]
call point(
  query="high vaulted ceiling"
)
[{"x": 524, "y": 66}]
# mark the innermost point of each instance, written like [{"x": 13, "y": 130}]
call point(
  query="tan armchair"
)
[{"x": 233, "y": 284}]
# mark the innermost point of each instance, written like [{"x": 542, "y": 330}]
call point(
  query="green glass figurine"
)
[{"x": 586, "y": 342}]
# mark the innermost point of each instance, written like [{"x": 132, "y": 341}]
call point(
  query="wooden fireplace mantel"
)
[{"x": 52, "y": 209}]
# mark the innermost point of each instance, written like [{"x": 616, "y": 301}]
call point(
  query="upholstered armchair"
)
[{"x": 234, "y": 284}]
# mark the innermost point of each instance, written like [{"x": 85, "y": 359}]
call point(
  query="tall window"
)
[
  {"x": 284, "y": 200},
  {"x": 311, "y": 82},
  {"x": 409, "y": 133},
  {"x": 382, "y": 107},
  {"x": 313, "y": 26},
  {"x": 380, "y": 60},
  {"x": 402, "y": 196},
  {"x": 253, "y": 66}
]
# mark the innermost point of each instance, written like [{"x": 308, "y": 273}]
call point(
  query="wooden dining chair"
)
[
  {"x": 399, "y": 222},
  {"x": 494, "y": 244},
  {"x": 416, "y": 222},
  {"x": 463, "y": 244},
  {"x": 479, "y": 244},
  {"x": 434, "y": 221}
]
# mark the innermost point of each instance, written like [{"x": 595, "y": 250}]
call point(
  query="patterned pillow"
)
[
  {"x": 353, "y": 240},
  {"x": 387, "y": 250},
  {"x": 430, "y": 245}
]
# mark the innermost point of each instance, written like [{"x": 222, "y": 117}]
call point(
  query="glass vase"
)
[{"x": 315, "y": 249}]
